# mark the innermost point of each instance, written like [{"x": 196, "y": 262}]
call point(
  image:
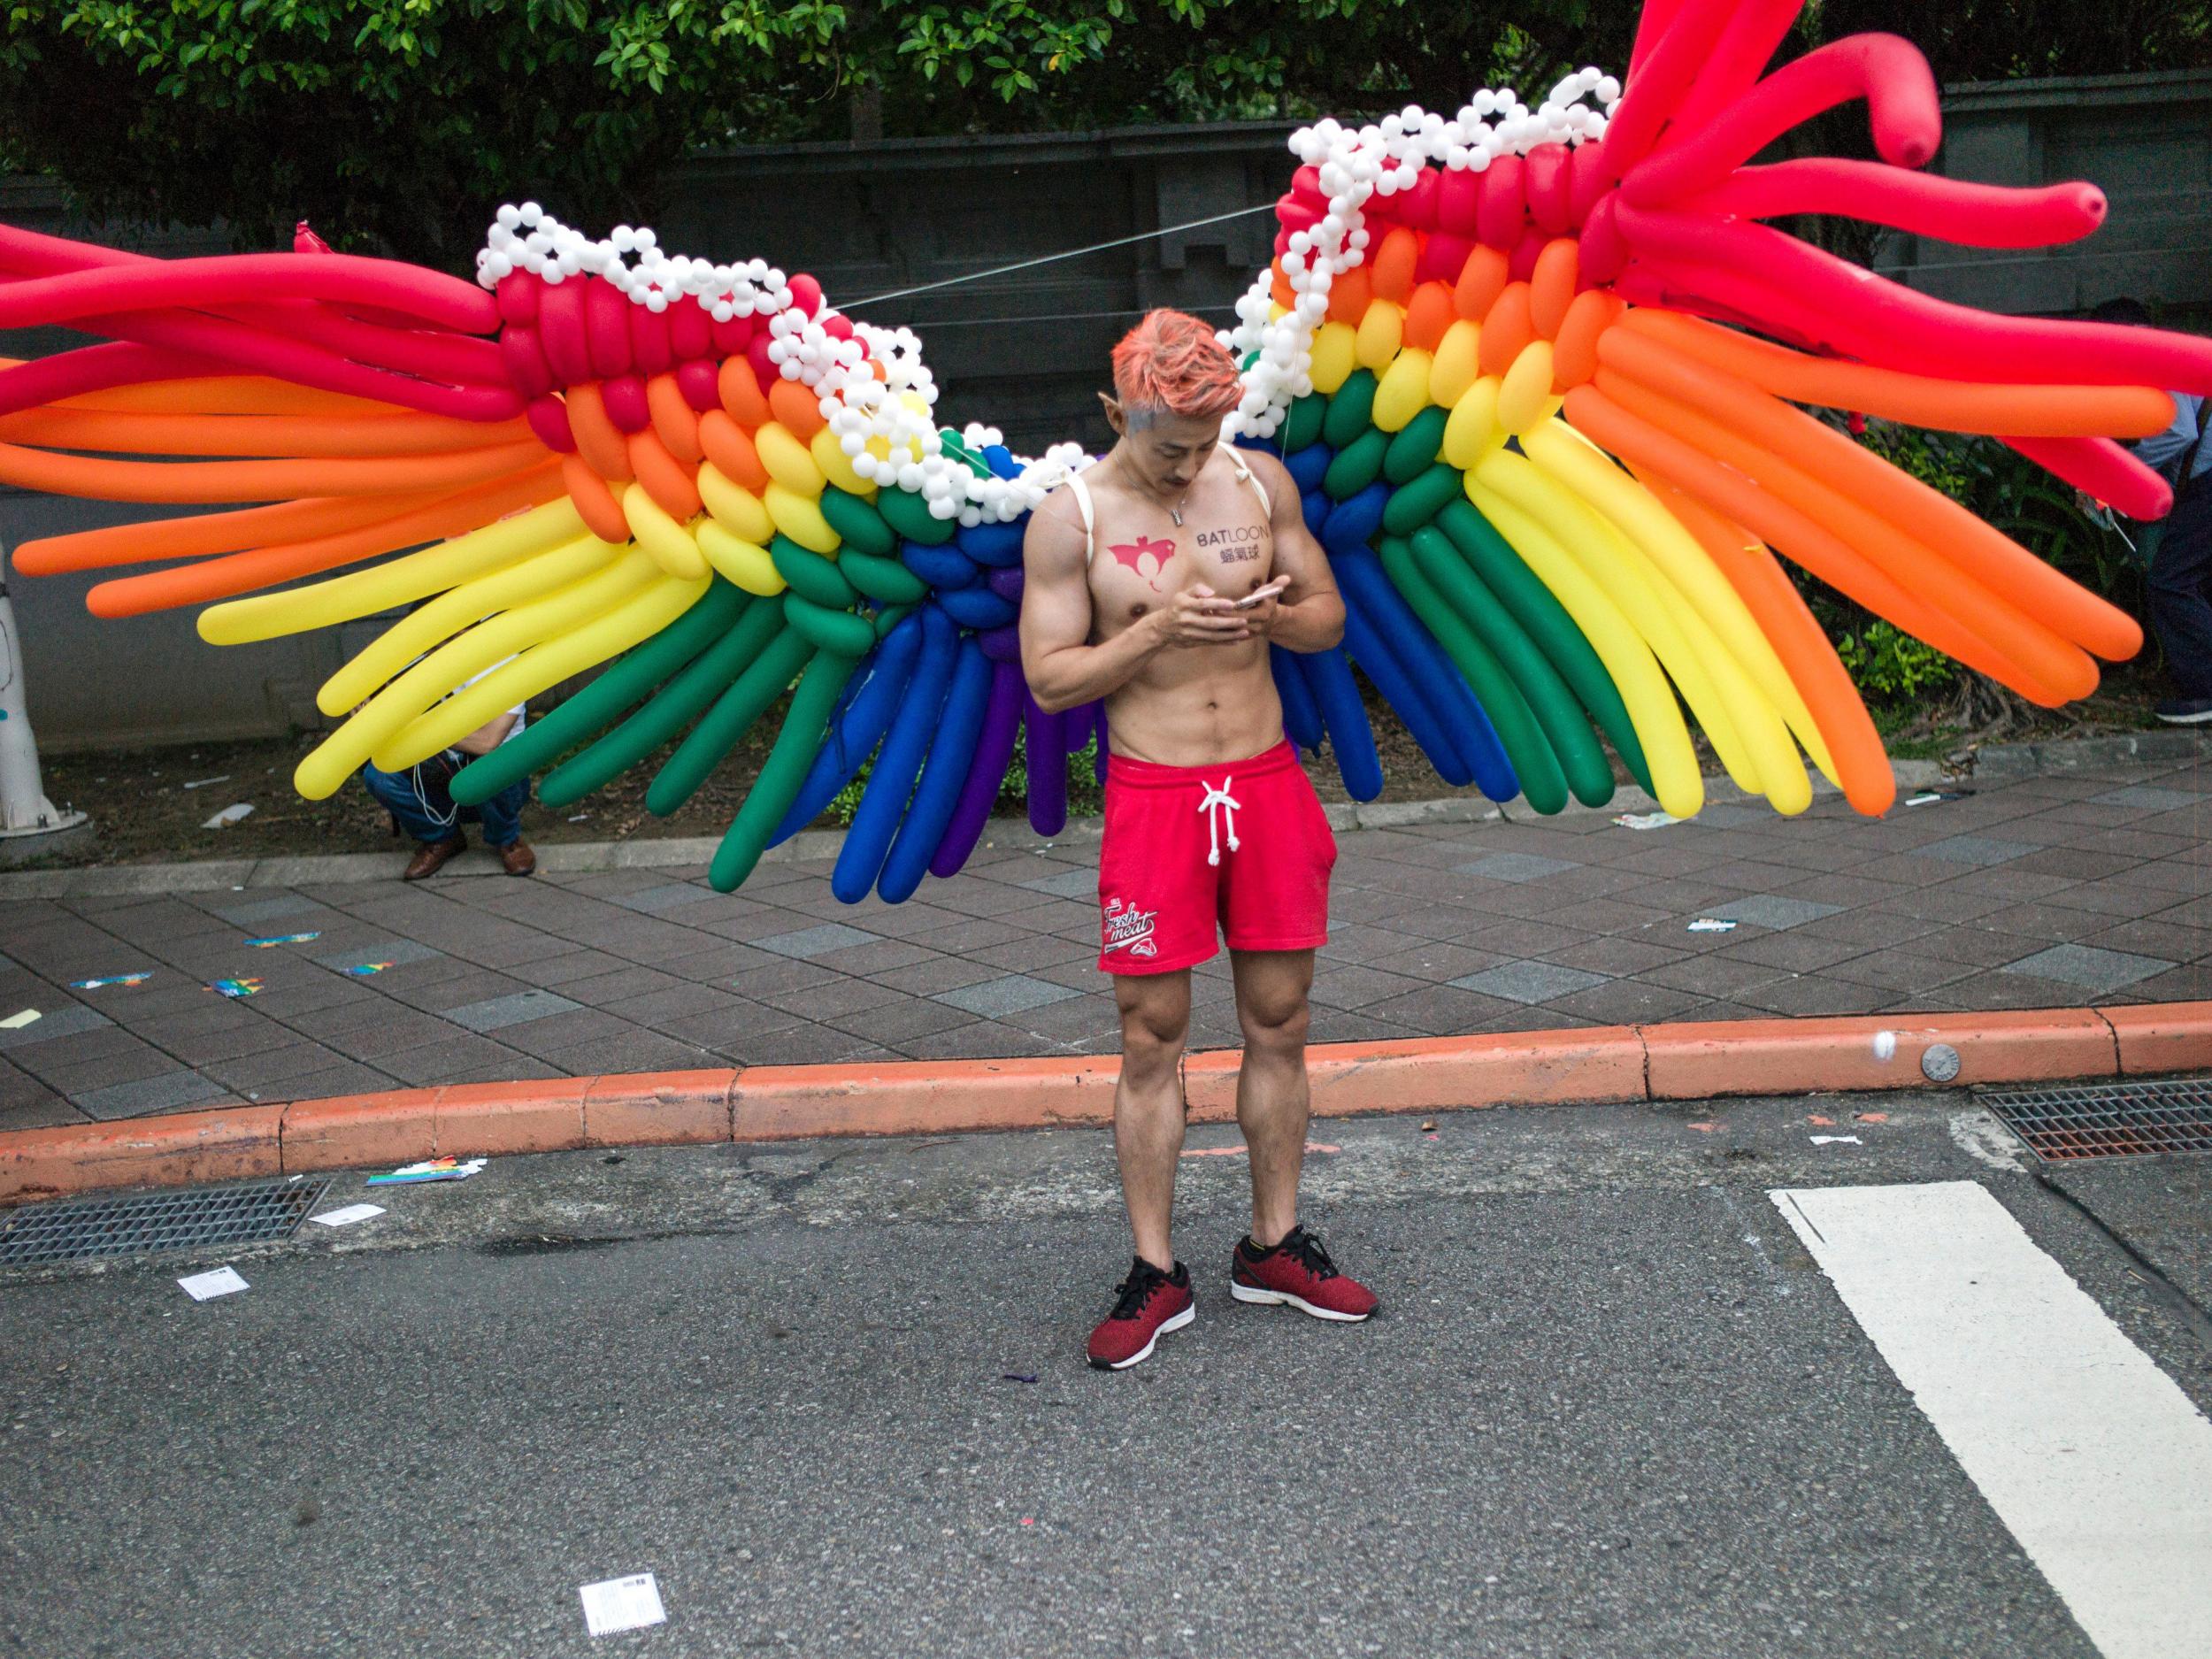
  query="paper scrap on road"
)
[
  {"x": 1646, "y": 820},
  {"x": 1711, "y": 925},
  {"x": 430, "y": 1170},
  {"x": 1837, "y": 1141},
  {"x": 620, "y": 1604},
  {"x": 16, "y": 1022},
  {"x": 113, "y": 978},
  {"x": 245, "y": 986},
  {"x": 202, "y": 783},
  {"x": 347, "y": 1217},
  {"x": 274, "y": 940},
  {"x": 220, "y": 1282},
  {"x": 230, "y": 814}
]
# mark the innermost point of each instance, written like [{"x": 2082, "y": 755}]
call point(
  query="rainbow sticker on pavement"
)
[
  {"x": 281, "y": 939},
  {"x": 113, "y": 978},
  {"x": 362, "y": 970},
  {"x": 241, "y": 987}
]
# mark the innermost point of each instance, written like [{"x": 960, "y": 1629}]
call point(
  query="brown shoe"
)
[
  {"x": 517, "y": 858},
  {"x": 433, "y": 857}
]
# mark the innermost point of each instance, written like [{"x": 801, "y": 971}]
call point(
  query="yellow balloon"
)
[
  {"x": 384, "y": 716},
  {"x": 735, "y": 508},
  {"x": 786, "y": 459},
  {"x": 1526, "y": 388},
  {"x": 1458, "y": 364},
  {"x": 800, "y": 518},
  {"x": 745, "y": 563},
  {"x": 1473, "y": 431},
  {"x": 462, "y": 607},
  {"x": 1565, "y": 454},
  {"x": 1404, "y": 391},
  {"x": 402, "y": 582},
  {"x": 658, "y": 533},
  {"x": 1334, "y": 356},
  {"x": 837, "y": 467},
  {"x": 1650, "y": 701},
  {"x": 1381, "y": 332}
]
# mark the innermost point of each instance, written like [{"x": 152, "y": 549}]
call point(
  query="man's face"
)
[{"x": 1164, "y": 449}]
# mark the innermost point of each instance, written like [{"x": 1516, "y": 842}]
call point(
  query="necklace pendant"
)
[{"x": 1176, "y": 514}]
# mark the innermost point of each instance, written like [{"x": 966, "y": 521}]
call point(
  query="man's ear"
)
[{"x": 1115, "y": 418}]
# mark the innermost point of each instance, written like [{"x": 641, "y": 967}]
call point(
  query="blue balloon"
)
[
  {"x": 1337, "y": 696},
  {"x": 941, "y": 567},
  {"x": 856, "y": 730},
  {"x": 1373, "y": 643},
  {"x": 1307, "y": 466},
  {"x": 1001, "y": 460},
  {"x": 1316, "y": 507},
  {"x": 994, "y": 544},
  {"x": 947, "y": 770},
  {"x": 1302, "y": 714},
  {"x": 1351, "y": 523},
  {"x": 978, "y": 607},
  {"x": 883, "y": 802}
]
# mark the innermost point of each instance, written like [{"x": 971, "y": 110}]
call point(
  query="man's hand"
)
[{"x": 1198, "y": 616}]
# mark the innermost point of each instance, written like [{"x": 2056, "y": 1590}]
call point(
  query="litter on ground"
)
[
  {"x": 16, "y": 1022},
  {"x": 222, "y": 1281},
  {"x": 230, "y": 814},
  {"x": 1646, "y": 820},
  {"x": 113, "y": 978},
  {"x": 620, "y": 1604},
  {"x": 244, "y": 986},
  {"x": 1711, "y": 925},
  {"x": 274, "y": 940},
  {"x": 347, "y": 1217},
  {"x": 430, "y": 1170}
]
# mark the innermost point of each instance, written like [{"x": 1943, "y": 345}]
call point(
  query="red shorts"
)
[{"x": 1243, "y": 845}]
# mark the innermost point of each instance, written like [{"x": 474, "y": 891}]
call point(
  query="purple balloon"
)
[
  {"x": 1048, "y": 768},
  {"x": 1006, "y": 582},
  {"x": 993, "y": 747},
  {"x": 1098, "y": 758},
  {"x": 1002, "y": 645}
]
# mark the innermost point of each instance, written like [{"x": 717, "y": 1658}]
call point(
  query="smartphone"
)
[{"x": 1267, "y": 591}]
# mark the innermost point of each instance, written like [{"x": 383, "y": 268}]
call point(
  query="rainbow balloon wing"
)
[{"x": 1536, "y": 372}]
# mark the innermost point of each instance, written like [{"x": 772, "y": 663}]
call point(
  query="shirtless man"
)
[{"x": 1157, "y": 580}]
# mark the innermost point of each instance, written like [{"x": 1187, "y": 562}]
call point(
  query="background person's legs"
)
[
  {"x": 427, "y": 815},
  {"x": 1273, "y": 1100},
  {"x": 1148, "y": 1104},
  {"x": 2179, "y": 612},
  {"x": 502, "y": 815}
]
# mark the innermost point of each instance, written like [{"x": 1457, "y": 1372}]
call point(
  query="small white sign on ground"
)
[
  {"x": 347, "y": 1217},
  {"x": 221, "y": 1282},
  {"x": 619, "y": 1604}
]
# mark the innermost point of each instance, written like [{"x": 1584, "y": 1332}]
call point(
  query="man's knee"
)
[
  {"x": 1275, "y": 1022},
  {"x": 1153, "y": 1029}
]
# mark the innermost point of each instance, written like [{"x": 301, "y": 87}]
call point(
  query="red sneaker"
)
[
  {"x": 1298, "y": 1271},
  {"x": 1150, "y": 1302}
]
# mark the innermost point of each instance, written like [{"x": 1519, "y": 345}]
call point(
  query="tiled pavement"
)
[{"x": 2091, "y": 886}]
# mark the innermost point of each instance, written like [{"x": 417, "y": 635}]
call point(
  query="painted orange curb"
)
[
  {"x": 1602, "y": 1063},
  {"x": 1843, "y": 1053}
]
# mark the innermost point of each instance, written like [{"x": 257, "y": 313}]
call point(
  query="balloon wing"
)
[{"x": 1544, "y": 378}]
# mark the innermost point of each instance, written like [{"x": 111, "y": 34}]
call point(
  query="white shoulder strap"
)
[
  {"x": 1083, "y": 505},
  {"x": 1246, "y": 475}
]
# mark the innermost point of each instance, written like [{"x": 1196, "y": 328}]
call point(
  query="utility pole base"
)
[{"x": 59, "y": 832}]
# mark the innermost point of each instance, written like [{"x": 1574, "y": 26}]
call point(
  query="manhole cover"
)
[
  {"x": 2110, "y": 1120},
  {"x": 79, "y": 1229}
]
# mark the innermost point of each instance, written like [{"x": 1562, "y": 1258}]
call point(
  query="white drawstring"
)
[{"x": 1218, "y": 800}]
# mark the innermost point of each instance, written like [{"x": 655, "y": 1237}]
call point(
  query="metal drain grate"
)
[
  {"x": 82, "y": 1229},
  {"x": 2110, "y": 1120}
]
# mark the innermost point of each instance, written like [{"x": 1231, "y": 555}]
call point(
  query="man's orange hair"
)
[{"x": 1172, "y": 361}]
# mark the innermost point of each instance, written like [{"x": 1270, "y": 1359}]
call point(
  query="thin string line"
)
[
  {"x": 1073, "y": 253},
  {"x": 939, "y": 324},
  {"x": 2054, "y": 257}
]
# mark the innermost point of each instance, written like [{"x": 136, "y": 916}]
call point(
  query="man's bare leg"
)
[
  {"x": 1272, "y": 1097},
  {"x": 1148, "y": 1104}
]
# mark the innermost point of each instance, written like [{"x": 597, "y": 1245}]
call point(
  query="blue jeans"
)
[
  {"x": 429, "y": 813},
  {"x": 2181, "y": 566}
]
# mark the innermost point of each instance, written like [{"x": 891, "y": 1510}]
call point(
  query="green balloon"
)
[
  {"x": 858, "y": 524},
  {"x": 881, "y": 579},
  {"x": 671, "y": 708},
  {"x": 810, "y": 574},
  {"x": 1356, "y": 465},
  {"x": 1573, "y": 745},
  {"x": 804, "y": 729},
  {"x": 890, "y": 617},
  {"x": 1414, "y": 504},
  {"x": 1352, "y": 410},
  {"x": 630, "y": 678},
  {"x": 1414, "y": 450},
  {"x": 909, "y": 515},
  {"x": 1301, "y": 427},
  {"x": 839, "y": 632},
  {"x": 1530, "y": 604},
  {"x": 1532, "y": 755},
  {"x": 728, "y": 720}
]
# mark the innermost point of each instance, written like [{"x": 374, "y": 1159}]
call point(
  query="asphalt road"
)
[{"x": 1611, "y": 1408}]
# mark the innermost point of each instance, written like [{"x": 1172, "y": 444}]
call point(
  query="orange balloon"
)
[
  {"x": 118, "y": 433},
  {"x": 1574, "y": 357},
  {"x": 1393, "y": 260},
  {"x": 1506, "y": 330},
  {"x": 1348, "y": 295},
  {"x": 665, "y": 481},
  {"x": 1551, "y": 286},
  {"x": 741, "y": 395},
  {"x": 1429, "y": 315},
  {"x": 731, "y": 448},
  {"x": 1481, "y": 280},
  {"x": 798, "y": 407},
  {"x": 674, "y": 419},
  {"x": 1279, "y": 289},
  {"x": 264, "y": 567},
  {"x": 1983, "y": 551},
  {"x": 598, "y": 440},
  {"x": 258, "y": 481},
  {"x": 156, "y": 539},
  {"x": 600, "y": 513},
  {"x": 223, "y": 394}
]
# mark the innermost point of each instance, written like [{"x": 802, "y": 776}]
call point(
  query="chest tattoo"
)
[
  {"x": 1236, "y": 543},
  {"x": 1145, "y": 556}
]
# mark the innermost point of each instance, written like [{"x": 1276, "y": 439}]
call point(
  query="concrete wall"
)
[{"x": 1027, "y": 350}]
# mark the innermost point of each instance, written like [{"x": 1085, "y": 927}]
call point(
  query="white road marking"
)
[{"x": 2089, "y": 1453}]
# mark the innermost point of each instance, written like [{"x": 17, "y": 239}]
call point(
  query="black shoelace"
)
[
  {"x": 1134, "y": 1290},
  {"x": 1310, "y": 1255}
]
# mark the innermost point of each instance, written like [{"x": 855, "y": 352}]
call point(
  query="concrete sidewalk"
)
[{"x": 2090, "y": 882}]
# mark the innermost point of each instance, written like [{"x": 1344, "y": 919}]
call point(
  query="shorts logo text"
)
[{"x": 1131, "y": 929}]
